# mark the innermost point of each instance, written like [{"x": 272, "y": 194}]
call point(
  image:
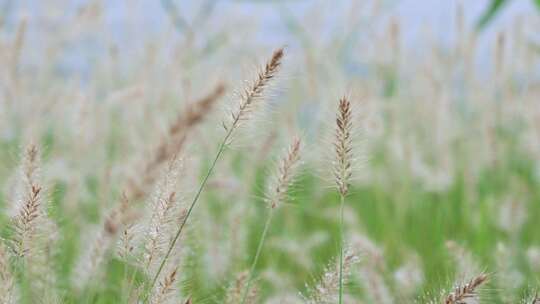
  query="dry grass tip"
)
[
  {"x": 285, "y": 176},
  {"x": 254, "y": 92},
  {"x": 466, "y": 291},
  {"x": 343, "y": 146}
]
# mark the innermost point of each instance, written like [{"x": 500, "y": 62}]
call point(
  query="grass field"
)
[{"x": 208, "y": 166}]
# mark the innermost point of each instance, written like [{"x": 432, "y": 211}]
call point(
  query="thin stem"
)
[
  {"x": 195, "y": 199},
  {"x": 257, "y": 254},
  {"x": 342, "y": 204},
  {"x": 131, "y": 281}
]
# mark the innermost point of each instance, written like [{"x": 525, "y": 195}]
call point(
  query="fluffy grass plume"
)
[
  {"x": 465, "y": 292},
  {"x": 166, "y": 289},
  {"x": 8, "y": 292},
  {"x": 173, "y": 142},
  {"x": 30, "y": 205},
  {"x": 343, "y": 146},
  {"x": 275, "y": 197},
  {"x": 327, "y": 290},
  {"x": 236, "y": 290},
  {"x": 253, "y": 93},
  {"x": 285, "y": 174},
  {"x": 343, "y": 169},
  {"x": 95, "y": 253},
  {"x": 34, "y": 241},
  {"x": 165, "y": 208}
]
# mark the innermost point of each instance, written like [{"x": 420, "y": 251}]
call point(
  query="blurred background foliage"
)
[{"x": 447, "y": 95}]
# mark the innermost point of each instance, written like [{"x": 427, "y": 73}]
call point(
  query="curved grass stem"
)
[
  {"x": 190, "y": 210},
  {"x": 342, "y": 203},
  {"x": 257, "y": 255}
]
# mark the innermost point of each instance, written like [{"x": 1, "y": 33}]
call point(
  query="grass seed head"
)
[
  {"x": 343, "y": 146},
  {"x": 285, "y": 175},
  {"x": 254, "y": 92},
  {"x": 466, "y": 291}
]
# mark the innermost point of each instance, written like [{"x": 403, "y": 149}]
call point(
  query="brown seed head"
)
[
  {"x": 285, "y": 173},
  {"x": 466, "y": 291},
  {"x": 173, "y": 142},
  {"x": 255, "y": 91},
  {"x": 343, "y": 146},
  {"x": 166, "y": 288}
]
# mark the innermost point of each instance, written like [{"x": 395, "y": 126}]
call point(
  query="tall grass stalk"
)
[
  {"x": 341, "y": 207},
  {"x": 276, "y": 196},
  {"x": 343, "y": 170},
  {"x": 190, "y": 210},
  {"x": 257, "y": 255},
  {"x": 247, "y": 102}
]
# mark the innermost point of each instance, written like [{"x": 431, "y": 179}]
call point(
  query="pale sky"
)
[{"x": 129, "y": 22}]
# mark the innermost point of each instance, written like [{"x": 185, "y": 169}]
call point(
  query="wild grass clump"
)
[
  {"x": 343, "y": 170},
  {"x": 120, "y": 182}
]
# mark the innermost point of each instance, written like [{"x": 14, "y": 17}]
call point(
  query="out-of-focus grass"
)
[
  {"x": 472, "y": 129},
  {"x": 400, "y": 218}
]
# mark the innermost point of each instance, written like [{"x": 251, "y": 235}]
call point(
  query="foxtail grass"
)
[
  {"x": 342, "y": 170},
  {"x": 248, "y": 100},
  {"x": 90, "y": 264},
  {"x": 34, "y": 239},
  {"x": 327, "y": 288},
  {"x": 173, "y": 142},
  {"x": 166, "y": 288},
  {"x": 276, "y": 196},
  {"x": 31, "y": 209},
  {"x": 236, "y": 289},
  {"x": 166, "y": 206},
  {"x": 466, "y": 291},
  {"x": 8, "y": 293}
]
